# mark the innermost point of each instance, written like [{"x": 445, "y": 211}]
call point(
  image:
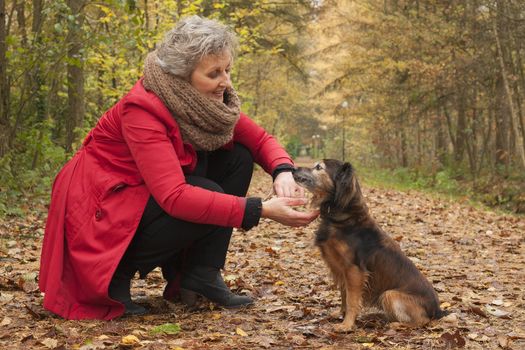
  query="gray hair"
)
[{"x": 190, "y": 40}]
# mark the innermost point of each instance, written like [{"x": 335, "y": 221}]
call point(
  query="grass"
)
[{"x": 444, "y": 185}]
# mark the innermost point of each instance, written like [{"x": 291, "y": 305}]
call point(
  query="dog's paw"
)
[{"x": 343, "y": 328}]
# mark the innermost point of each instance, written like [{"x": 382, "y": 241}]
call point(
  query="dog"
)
[{"x": 367, "y": 265}]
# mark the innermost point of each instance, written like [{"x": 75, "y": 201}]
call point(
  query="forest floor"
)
[{"x": 474, "y": 258}]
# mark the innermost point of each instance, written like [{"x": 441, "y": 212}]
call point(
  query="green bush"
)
[{"x": 28, "y": 170}]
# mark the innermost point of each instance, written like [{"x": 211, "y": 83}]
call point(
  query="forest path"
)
[{"x": 474, "y": 258}]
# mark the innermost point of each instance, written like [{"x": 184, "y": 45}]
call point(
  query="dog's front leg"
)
[
  {"x": 342, "y": 309},
  {"x": 354, "y": 281}
]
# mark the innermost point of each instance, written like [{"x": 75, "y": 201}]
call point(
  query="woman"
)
[{"x": 161, "y": 181}]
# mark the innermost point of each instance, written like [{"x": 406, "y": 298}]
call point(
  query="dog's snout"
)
[{"x": 302, "y": 176}]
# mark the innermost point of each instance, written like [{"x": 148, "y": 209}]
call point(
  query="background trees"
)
[{"x": 434, "y": 87}]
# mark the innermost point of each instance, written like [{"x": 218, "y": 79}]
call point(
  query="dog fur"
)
[{"x": 367, "y": 265}]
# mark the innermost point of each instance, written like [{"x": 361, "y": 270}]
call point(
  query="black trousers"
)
[{"x": 162, "y": 240}]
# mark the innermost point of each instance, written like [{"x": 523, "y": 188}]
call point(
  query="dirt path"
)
[{"x": 475, "y": 259}]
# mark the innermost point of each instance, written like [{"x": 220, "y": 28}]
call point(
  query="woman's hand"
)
[
  {"x": 285, "y": 186},
  {"x": 280, "y": 209}
]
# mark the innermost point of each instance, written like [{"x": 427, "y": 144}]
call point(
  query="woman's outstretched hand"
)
[
  {"x": 285, "y": 186},
  {"x": 280, "y": 209}
]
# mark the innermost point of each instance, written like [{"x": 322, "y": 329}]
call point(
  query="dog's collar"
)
[
  {"x": 326, "y": 215},
  {"x": 339, "y": 222}
]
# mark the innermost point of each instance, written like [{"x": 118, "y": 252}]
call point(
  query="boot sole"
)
[{"x": 189, "y": 298}]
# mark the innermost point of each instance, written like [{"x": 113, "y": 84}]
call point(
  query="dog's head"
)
[{"x": 333, "y": 185}]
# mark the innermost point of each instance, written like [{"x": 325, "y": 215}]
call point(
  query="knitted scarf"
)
[{"x": 205, "y": 123}]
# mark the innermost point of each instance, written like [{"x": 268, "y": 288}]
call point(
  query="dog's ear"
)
[{"x": 344, "y": 185}]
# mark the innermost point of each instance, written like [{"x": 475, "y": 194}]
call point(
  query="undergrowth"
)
[{"x": 504, "y": 193}]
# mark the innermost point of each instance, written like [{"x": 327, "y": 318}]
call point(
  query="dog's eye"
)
[{"x": 318, "y": 167}]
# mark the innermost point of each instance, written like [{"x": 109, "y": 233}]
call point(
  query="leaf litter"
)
[{"x": 474, "y": 258}]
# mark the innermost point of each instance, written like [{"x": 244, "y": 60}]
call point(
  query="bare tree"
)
[
  {"x": 75, "y": 72},
  {"x": 4, "y": 85},
  {"x": 513, "y": 117}
]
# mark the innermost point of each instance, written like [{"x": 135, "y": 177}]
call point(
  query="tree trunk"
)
[
  {"x": 4, "y": 85},
  {"x": 461, "y": 125},
  {"x": 441, "y": 139},
  {"x": 485, "y": 141},
  {"x": 37, "y": 80},
  {"x": 403, "y": 140},
  {"x": 513, "y": 118},
  {"x": 146, "y": 15},
  {"x": 502, "y": 125},
  {"x": 75, "y": 73},
  {"x": 517, "y": 43}
]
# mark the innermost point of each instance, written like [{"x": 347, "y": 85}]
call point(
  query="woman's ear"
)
[{"x": 344, "y": 185}]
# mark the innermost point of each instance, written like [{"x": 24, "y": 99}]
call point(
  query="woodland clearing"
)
[{"x": 474, "y": 258}]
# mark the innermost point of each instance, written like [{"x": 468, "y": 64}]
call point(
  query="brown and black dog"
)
[{"x": 367, "y": 265}]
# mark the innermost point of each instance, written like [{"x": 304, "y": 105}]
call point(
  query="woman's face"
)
[{"x": 211, "y": 76}]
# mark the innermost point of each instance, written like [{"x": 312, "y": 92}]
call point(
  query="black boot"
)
[
  {"x": 119, "y": 290},
  {"x": 208, "y": 282}
]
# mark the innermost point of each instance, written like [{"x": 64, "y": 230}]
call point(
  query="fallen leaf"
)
[
  {"x": 264, "y": 341},
  {"x": 453, "y": 340},
  {"x": 5, "y": 298},
  {"x": 240, "y": 332},
  {"x": 450, "y": 318},
  {"x": 270, "y": 251},
  {"x": 50, "y": 343},
  {"x": 497, "y": 312},
  {"x": 445, "y": 305},
  {"x": 364, "y": 339},
  {"x": 503, "y": 341},
  {"x": 230, "y": 278},
  {"x": 166, "y": 328},
  {"x": 6, "y": 321},
  {"x": 483, "y": 338},
  {"x": 130, "y": 340},
  {"x": 33, "y": 312},
  {"x": 94, "y": 345},
  {"x": 216, "y": 336},
  {"x": 476, "y": 310}
]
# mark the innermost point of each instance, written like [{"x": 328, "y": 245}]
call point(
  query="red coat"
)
[{"x": 98, "y": 198}]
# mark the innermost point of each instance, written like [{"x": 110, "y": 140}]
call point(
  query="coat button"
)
[{"x": 98, "y": 214}]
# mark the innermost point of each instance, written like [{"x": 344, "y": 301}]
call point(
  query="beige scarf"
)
[{"x": 205, "y": 123}]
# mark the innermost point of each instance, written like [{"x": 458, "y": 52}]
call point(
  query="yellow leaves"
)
[
  {"x": 130, "y": 340},
  {"x": 240, "y": 332},
  {"x": 243, "y": 32},
  {"x": 215, "y": 336},
  {"x": 109, "y": 14},
  {"x": 445, "y": 305}
]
